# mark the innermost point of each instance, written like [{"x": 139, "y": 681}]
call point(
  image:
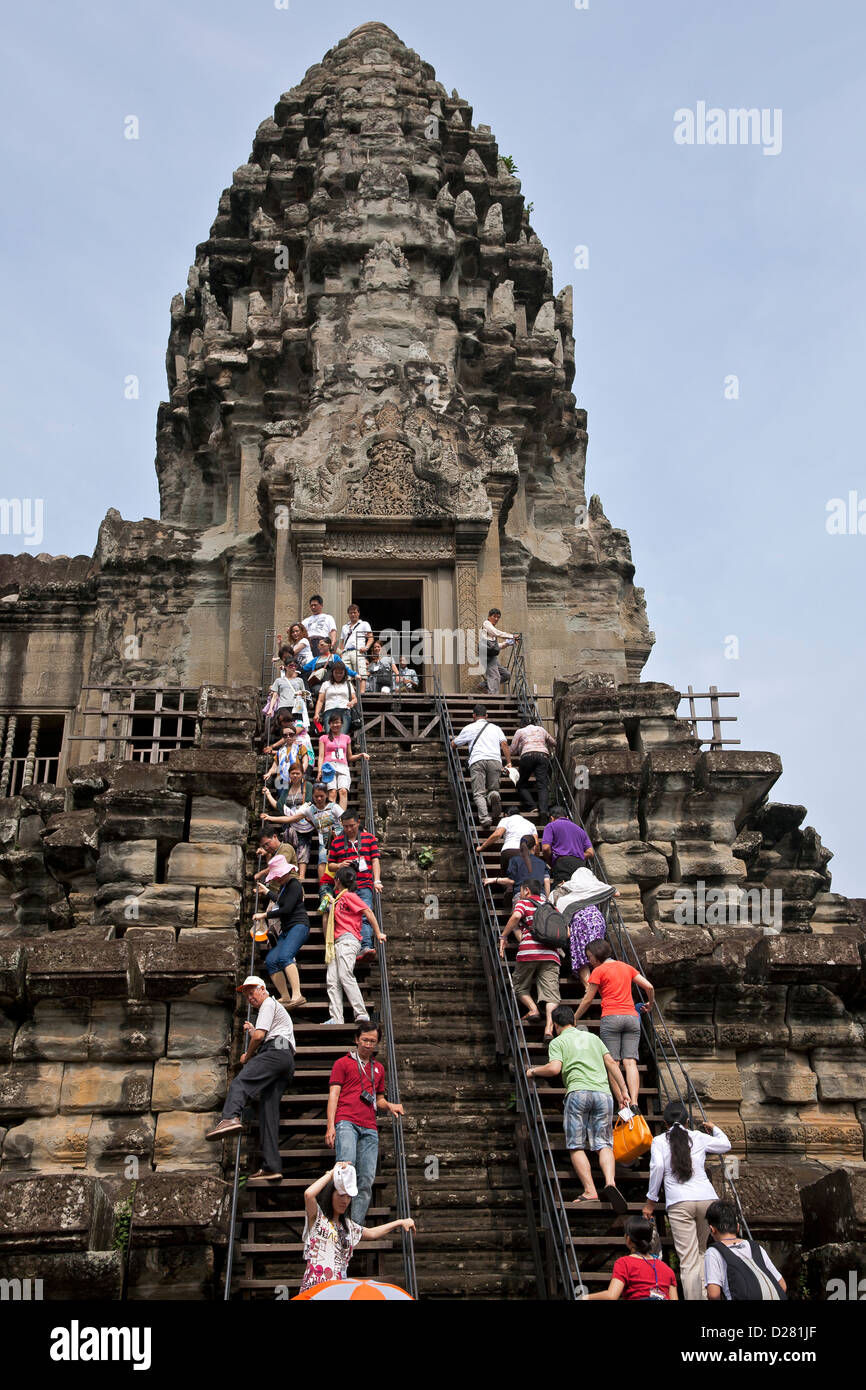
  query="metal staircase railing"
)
[
  {"x": 410, "y": 1280},
  {"x": 511, "y": 1040},
  {"x": 656, "y": 1032}
]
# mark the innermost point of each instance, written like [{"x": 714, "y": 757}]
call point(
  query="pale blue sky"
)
[{"x": 703, "y": 262}]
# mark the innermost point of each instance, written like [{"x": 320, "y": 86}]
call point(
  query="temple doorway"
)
[{"x": 394, "y": 606}]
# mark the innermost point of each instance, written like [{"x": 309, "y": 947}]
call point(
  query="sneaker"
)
[
  {"x": 225, "y": 1128},
  {"x": 363, "y": 1018},
  {"x": 495, "y": 805},
  {"x": 364, "y": 955}
]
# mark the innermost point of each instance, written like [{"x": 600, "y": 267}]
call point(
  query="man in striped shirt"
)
[
  {"x": 537, "y": 965},
  {"x": 360, "y": 849}
]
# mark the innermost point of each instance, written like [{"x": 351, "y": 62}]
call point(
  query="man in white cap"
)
[{"x": 267, "y": 1067}]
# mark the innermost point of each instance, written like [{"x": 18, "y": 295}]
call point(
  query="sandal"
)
[
  {"x": 583, "y": 1198},
  {"x": 530, "y": 1018},
  {"x": 264, "y": 1176},
  {"x": 295, "y": 1003}
]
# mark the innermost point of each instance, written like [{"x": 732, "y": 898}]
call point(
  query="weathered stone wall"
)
[
  {"x": 764, "y": 995},
  {"x": 118, "y": 962}
]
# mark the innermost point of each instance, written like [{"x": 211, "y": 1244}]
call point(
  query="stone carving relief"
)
[{"x": 397, "y": 545}]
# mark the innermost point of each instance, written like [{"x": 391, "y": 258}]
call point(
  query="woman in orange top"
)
[{"x": 620, "y": 1022}]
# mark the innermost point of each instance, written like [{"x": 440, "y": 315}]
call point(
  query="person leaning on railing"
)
[
  {"x": 677, "y": 1159},
  {"x": 491, "y": 635},
  {"x": 267, "y": 1067}
]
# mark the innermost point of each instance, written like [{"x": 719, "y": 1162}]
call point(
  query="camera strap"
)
[{"x": 363, "y": 1076}]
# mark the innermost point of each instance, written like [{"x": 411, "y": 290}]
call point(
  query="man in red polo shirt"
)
[
  {"x": 361, "y": 849},
  {"x": 355, "y": 1097}
]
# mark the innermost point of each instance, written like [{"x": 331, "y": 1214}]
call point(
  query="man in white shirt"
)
[
  {"x": 490, "y": 637},
  {"x": 267, "y": 1067},
  {"x": 320, "y": 624},
  {"x": 488, "y": 746},
  {"x": 356, "y": 638},
  {"x": 508, "y": 834},
  {"x": 759, "y": 1278}
]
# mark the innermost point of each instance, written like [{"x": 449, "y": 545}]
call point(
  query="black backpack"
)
[
  {"x": 749, "y": 1280},
  {"x": 549, "y": 927}
]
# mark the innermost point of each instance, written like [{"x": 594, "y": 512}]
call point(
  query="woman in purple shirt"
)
[{"x": 565, "y": 846}]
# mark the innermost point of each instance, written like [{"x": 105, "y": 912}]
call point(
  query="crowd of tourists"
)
[{"x": 556, "y": 909}]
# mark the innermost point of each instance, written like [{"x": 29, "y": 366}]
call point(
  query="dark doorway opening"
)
[{"x": 394, "y": 608}]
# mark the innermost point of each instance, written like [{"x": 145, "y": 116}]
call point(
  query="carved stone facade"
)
[{"x": 369, "y": 339}]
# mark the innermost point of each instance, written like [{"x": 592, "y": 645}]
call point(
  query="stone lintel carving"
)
[{"x": 388, "y": 545}]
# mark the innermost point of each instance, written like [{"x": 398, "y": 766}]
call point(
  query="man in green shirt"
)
[{"x": 592, "y": 1079}]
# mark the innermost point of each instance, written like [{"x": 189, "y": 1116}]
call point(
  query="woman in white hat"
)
[{"x": 330, "y": 1236}]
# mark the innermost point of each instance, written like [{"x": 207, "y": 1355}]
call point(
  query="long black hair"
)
[
  {"x": 676, "y": 1117},
  {"x": 325, "y": 1200},
  {"x": 527, "y": 844}
]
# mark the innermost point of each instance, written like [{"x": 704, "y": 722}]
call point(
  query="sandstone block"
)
[
  {"x": 30, "y": 1088},
  {"x": 72, "y": 964},
  {"x": 832, "y": 1133},
  {"x": 95, "y": 1276},
  {"x": 180, "y": 1210},
  {"x": 799, "y": 959},
  {"x": 776, "y": 1077},
  {"x": 127, "y": 1031},
  {"x": 115, "y": 1139},
  {"x": 817, "y": 1018},
  {"x": 216, "y": 821},
  {"x": 48, "y": 1145},
  {"x": 197, "y": 1084},
  {"x": 7, "y": 1038},
  {"x": 831, "y": 1210},
  {"x": 218, "y": 907},
  {"x": 841, "y": 1073},
  {"x": 58, "y": 1031},
  {"x": 166, "y": 905},
  {"x": 208, "y": 865},
  {"x": 180, "y": 1142},
  {"x": 203, "y": 968},
  {"x": 716, "y": 1078},
  {"x": 183, "y": 1272},
  {"x": 54, "y": 1213},
  {"x": 198, "y": 1030},
  {"x": 127, "y": 860},
  {"x": 107, "y": 1088}
]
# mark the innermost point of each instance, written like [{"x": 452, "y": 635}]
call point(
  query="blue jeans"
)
[
  {"x": 360, "y": 1147},
  {"x": 366, "y": 896},
  {"x": 286, "y": 950}
]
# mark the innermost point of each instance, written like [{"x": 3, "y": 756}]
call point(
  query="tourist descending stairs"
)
[{"x": 265, "y": 1257}]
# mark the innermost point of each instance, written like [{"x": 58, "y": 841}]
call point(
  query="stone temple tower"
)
[{"x": 370, "y": 396}]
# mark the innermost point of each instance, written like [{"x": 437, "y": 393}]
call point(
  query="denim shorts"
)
[
  {"x": 620, "y": 1034},
  {"x": 589, "y": 1120}
]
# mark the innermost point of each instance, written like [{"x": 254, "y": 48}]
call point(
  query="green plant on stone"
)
[
  {"x": 426, "y": 857},
  {"x": 508, "y": 161},
  {"x": 122, "y": 1223}
]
